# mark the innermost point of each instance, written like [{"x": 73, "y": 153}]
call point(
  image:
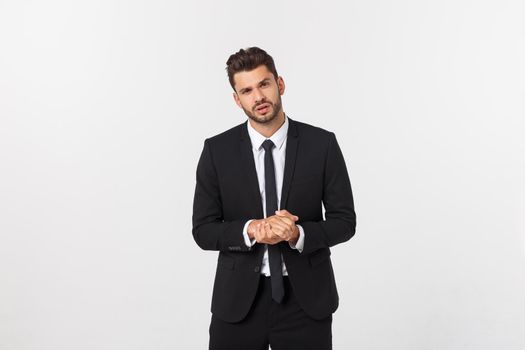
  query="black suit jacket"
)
[{"x": 227, "y": 195}]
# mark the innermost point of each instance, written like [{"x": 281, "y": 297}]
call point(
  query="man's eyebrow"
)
[
  {"x": 264, "y": 80},
  {"x": 249, "y": 88}
]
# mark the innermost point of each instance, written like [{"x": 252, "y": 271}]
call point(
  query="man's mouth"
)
[{"x": 263, "y": 108}]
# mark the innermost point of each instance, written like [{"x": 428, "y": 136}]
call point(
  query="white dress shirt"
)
[{"x": 279, "y": 157}]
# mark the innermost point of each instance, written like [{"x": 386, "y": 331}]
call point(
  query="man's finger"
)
[
  {"x": 283, "y": 219},
  {"x": 284, "y": 224},
  {"x": 286, "y": 213},
  {"x": 256, "y": 233},
  {"x": 279, "y": 223},
  {"x": 267, "y": 230},
  {"x": 271, "y": 235},
  {"x": 270, "y": 231},
  {"x": 260, "y": 233},
  {"x": 284, "y": 233}
]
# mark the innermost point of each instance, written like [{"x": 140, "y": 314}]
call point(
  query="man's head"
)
[{"x": 257, "y": 87}]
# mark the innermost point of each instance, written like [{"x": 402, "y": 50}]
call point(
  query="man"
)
[{"x": 258, "y": 201}]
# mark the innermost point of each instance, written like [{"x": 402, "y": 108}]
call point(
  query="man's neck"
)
[{"x": 268, "y": 129}]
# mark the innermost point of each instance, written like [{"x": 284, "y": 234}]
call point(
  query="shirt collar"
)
[{"x": 277, "y": 138}]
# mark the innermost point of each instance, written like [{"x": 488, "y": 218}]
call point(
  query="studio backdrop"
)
[{"x": 104, "y": 108}]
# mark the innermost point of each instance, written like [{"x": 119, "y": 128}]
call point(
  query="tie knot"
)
[{"x": 267, "y": 145}]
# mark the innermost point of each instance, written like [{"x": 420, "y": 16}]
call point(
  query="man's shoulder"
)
[
  {"x": 305, "y": 129},
  {"x": 232, "y": 133},
  {"x": 313, "y": 135}
]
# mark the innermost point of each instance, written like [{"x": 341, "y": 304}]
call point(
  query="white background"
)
[{"x": 104, "y": 107}]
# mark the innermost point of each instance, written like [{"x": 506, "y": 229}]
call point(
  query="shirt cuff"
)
[
  {"x": 247, "y": 240},
  {"x": 300, "y": 242}
]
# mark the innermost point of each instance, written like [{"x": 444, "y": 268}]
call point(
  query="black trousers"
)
[{"x": 282, "y": 326}]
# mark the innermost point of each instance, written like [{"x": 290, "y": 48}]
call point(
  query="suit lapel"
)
[
  {"x": 248, "y": 166},
  {"x": 292, "y": 142}
]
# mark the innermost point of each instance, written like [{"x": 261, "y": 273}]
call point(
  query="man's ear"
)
[
  {"x": 280, "y": 85},
  {"x": 236, "y": 98}
]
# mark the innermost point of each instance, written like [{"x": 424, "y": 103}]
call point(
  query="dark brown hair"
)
[{"x": 247, "y": 60}]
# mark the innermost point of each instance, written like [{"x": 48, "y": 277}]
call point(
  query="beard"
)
[{"x": 267, "y": 118}]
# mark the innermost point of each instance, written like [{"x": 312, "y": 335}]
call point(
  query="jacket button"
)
[{"x": 257, "y": 269}]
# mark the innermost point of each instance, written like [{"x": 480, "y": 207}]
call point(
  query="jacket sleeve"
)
[
  {"x": 340, "y": 219},
  {"x": 210, "y": 231}
]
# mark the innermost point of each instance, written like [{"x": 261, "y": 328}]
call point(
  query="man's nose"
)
[{"x": 258, "y": 95}]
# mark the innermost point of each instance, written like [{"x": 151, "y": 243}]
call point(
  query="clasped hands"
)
[{"x": 275, "y": 228}]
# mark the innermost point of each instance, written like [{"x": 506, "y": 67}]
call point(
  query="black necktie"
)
[{"x": 274, "y": 253}]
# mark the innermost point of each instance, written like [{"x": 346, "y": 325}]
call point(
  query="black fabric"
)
[
  {"x": 227, "y": 195},
  {"x": 283, "y": 326},
  {"x": 274, "y": 253}
]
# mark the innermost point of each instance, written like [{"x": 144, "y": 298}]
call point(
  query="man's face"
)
[{"x": 259, "y": 94}]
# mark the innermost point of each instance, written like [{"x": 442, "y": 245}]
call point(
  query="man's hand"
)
[
  {"x": 274, "y": 229},
  {"x": 265, "y": 234},
  {"x": 252, "y": 227},
  {"x": 289, "y": 232}
]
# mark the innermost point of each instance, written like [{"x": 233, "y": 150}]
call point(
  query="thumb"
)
[{"x": 284, "y": 212}]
